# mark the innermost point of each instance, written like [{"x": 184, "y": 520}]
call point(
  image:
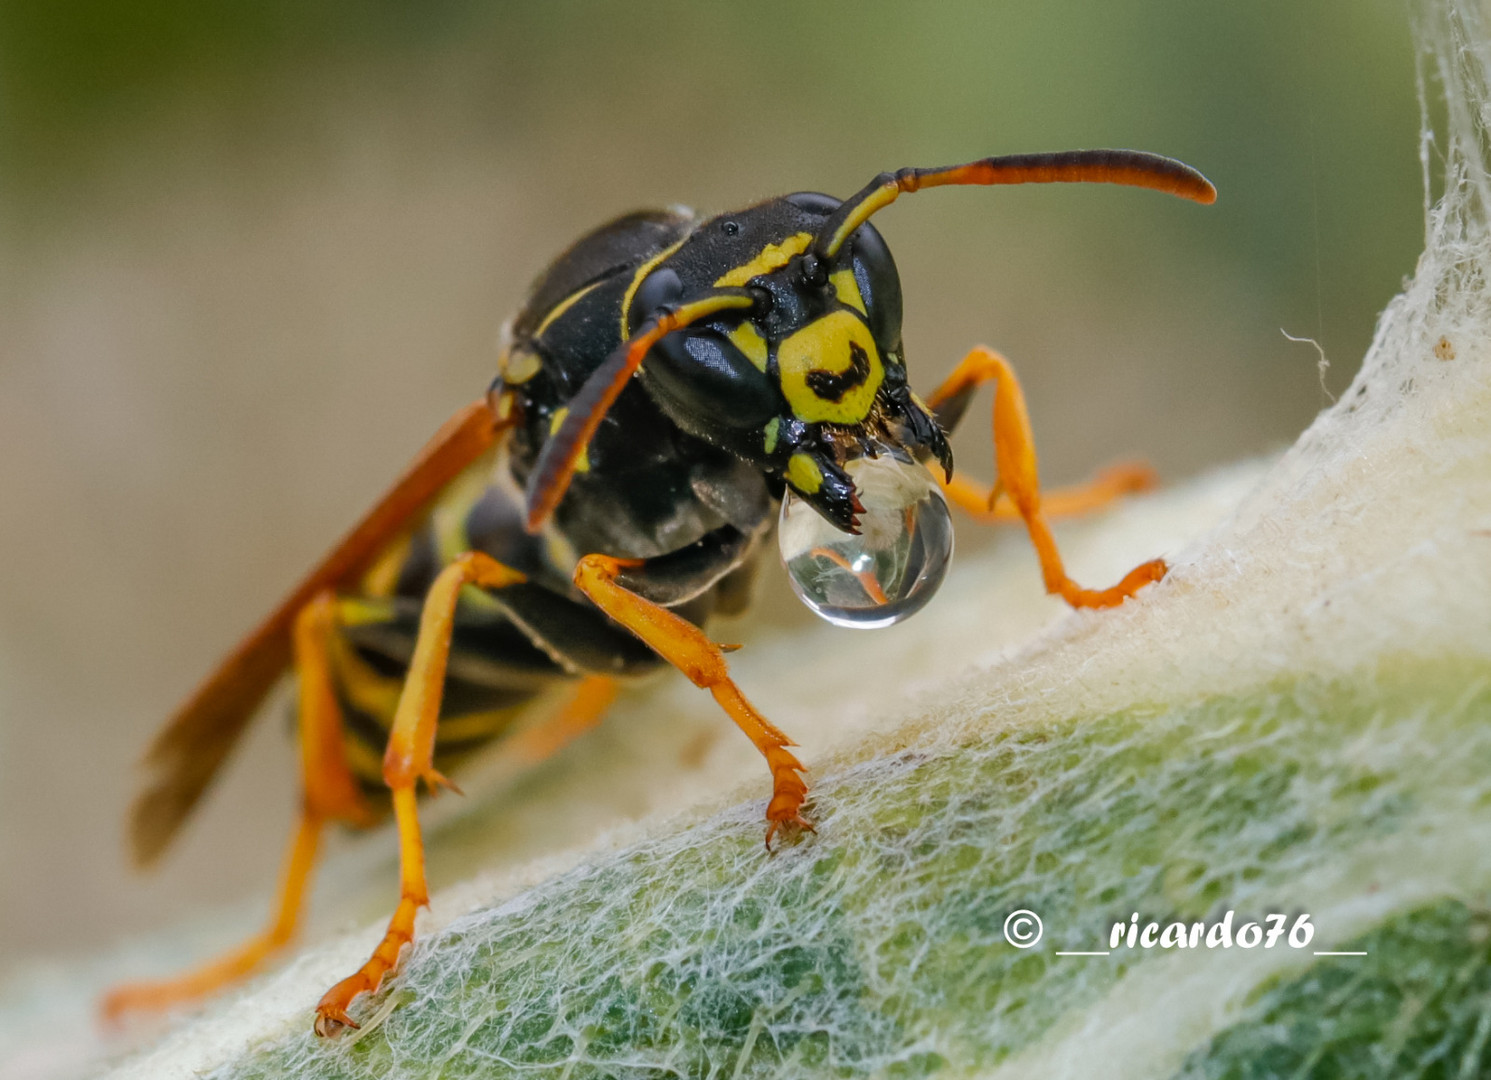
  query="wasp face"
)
[{"x": 809, "y": 379}]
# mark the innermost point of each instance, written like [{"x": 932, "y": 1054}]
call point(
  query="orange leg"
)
[
  {"x": 579, "y": 714},
  {"x": 686, "y": 647},
  {"x": 1014, "y": 456},
  {"x": 867, "y": 580},
  {"x": 991, "y": 506},
  {"x": 409, "y": 759},
  {"x": 330, "y": 795}
]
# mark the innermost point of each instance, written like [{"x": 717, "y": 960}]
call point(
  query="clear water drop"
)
[{"x": 887, "y": 572}]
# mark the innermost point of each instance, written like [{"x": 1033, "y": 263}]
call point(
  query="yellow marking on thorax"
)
[
  {"x": 642, "y": 272},
  {"x": 748, "y": 340},
  {"x": 804, "y": 474},
  {"x": 503, "y": 406},
  {"x": 448, "y": 518},
  {"x": 827, "y": 345},
  {"x": 563, "y": 306},
  {"x": 847, "y": 290},
  {"x": 383, "y": 577},
  {"x": 557, "y": 421},
  {"x": 771, "y": 257},
  {"x": 518, "y": 366}
]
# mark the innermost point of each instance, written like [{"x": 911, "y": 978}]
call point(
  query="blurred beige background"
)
[{"x": 250, "y": 259}]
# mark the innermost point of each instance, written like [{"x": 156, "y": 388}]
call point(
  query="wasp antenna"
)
[
  {"x": 1133, "y": 168},
  {"x": 561, "y": 454}
]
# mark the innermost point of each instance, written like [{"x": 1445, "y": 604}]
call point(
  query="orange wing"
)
[{"x": 187, "y": 753}]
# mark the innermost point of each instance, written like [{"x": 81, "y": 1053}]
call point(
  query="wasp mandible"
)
[{"x": 674, "y": 388}]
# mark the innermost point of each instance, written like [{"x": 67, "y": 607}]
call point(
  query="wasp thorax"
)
[{"x": 888, "y": 571}]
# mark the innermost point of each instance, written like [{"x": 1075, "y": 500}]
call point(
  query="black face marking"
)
[{"x": 833, "y": 385}]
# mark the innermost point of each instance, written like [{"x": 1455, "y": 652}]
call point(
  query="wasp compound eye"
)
[
  {"x": 892, "y": 568},
  {"x": 658, "y": 290}
]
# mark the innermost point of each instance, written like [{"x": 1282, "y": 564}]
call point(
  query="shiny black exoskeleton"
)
[{"x": 688, "y": 466}]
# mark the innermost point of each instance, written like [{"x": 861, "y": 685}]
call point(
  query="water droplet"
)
[{"x": 887, "y": 572}]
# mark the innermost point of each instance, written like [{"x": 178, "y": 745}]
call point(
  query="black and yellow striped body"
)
[
  {"x": 638, "y": 497},
  {"x": 685, "y": 471}
]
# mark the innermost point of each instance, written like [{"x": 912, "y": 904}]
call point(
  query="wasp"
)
[{"x": 674, "y": 390}]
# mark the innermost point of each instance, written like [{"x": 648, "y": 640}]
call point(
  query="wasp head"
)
[{"x": 812, "y": 376}]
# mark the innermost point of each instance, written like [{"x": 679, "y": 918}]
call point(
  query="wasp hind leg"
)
[
  {"x": 687, "y": 648},
  {"x": 1016, "y": 492},
  {"x": 584, "y": 709},
  {"x": 330, "y": 794}
]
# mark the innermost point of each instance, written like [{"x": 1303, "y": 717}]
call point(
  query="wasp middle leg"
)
[
  {"x": 408, "y": 760},
  {"x": 1018, "y": 480}
]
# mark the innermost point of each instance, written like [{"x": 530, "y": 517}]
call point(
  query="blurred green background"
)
[{"x": 252, "y": 254}]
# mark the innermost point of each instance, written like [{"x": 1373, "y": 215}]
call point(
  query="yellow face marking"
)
[
  {"x": 772, "y": 257},
  {"x": 748, "y": 340},
  {"x": 848, "y": 290},
  {"x": 830, "y": 370},
  {"x": 563, "y": 306},
  {"x": 519, "y": 366},
  {"x": 773, "y": 426},
  {"x": 804, "y": 474},
  {"x": 583, "y": 465},
  {"x": 631, "y": 290}
]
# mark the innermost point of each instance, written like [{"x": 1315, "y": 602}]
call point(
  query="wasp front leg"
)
[
  {"x": 688, "y": 649},
  {"x": 1018, "y": 480},
  {"x": 330, "y": 794}
]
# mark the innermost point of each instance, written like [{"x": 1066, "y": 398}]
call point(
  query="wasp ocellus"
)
[{"x": 674, "y": 390}]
